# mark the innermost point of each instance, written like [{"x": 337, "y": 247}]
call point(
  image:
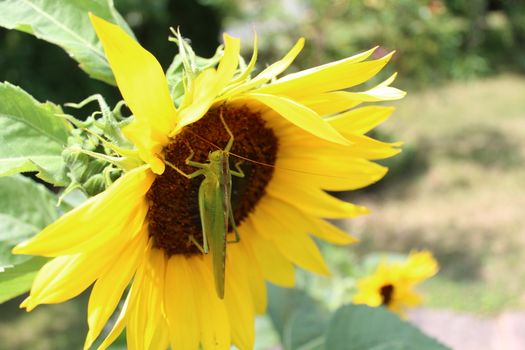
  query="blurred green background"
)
[{"x": 457, "y": 187}]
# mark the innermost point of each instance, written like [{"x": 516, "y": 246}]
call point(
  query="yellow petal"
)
[
  {"x": 201, "y": 95},
  {"x": 209, "y": 84},
  {"x": 362, "y": 147},
  {"x": 274, "y": 266},
  {"x": 160, "y": 340},
  {"x": 294, "y": 143},
  {"x": 381, "y": 92},
  {"x": 420, "y": 266},
  {"x": 109, "y": 288},
  {"x": 214, "y": 324},
  {"x": 409, "y": 299},
  {"x": 66, "y": 277},
  {"x": 254, "y": 274},
  {"x": 280, "y": 66},
  {"x": 251, "y": 65},
  {"x": 139, "y": 77},
  {"x": 332, "y": 173},
  {"x": 332, "y": 77},
  {"x": 290, "y": 235},
  {"x": 119, "y": 325},
  {"x": 239, "y": 302},
  {"x": 370, "y": 299},
  {"x": 229, "y": 62},
  {"x": 307, "y": 223},
  {"x": 313, "y": 201},
  {"x": 301, "y": 116},
  {"x": 146, "y": 318},
  {"x": 366, "y": 147},
  {"x": 149, "y": 149},
  {"x": 332, "y": 234},
  {"x": 269, "y": 72},
  {"x": 116, "y": 213},
  {"x": 361, "y": 120},
  {"x": 322, "y": 68},
  {"x": 181, "y": 304},
  {"x": 129, "y": 304},
  {"x": 329, "y": 103}
]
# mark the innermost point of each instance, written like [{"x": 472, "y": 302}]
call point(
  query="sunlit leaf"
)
[
  {"x": 359, "y": 327},
  {"x": 299, "y": 319},
  {"x": 65, "y": 23},
  {"x": 17, "y": 280},
  {"x": 25, "y": 208},
  {"x": 32, "y": 137}
]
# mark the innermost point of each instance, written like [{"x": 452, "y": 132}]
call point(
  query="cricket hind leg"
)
[
  {"x": 203, "y": 248},
  {"x": 234, "y": 228}
]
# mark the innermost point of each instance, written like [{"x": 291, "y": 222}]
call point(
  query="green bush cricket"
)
[{"x": 215, "y": 205}]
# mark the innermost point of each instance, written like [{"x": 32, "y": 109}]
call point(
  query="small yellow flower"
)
[
  {"x": 139, "y": 232},
  {"x": 392, "y": 284}
]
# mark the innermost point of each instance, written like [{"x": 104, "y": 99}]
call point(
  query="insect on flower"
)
[{"x": 215, "y": 206}]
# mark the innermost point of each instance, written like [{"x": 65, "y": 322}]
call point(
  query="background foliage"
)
[{"x": 435, "y": 40}]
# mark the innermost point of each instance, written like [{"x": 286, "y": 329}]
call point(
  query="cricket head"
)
[{"x": 216, "y": 156}]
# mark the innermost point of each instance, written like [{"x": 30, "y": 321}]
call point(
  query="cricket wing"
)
[{"x": 215, "y": 227}]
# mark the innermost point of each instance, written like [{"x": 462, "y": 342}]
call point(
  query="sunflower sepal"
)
[
  {"x": 97, "y": 151},
  {"x": 107, "y": 122},
  {"x": 186, "y": 65},
  {"x": 82, "y": 173}
]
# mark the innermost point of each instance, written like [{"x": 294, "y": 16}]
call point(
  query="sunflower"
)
[
  {"x": 305, "y": 136},
  {"x": 392, "y": 284}
]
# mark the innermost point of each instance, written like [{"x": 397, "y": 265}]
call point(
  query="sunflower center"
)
[
  {"x": 173, "y": 216},
  {"x": 387, "y": 292}
]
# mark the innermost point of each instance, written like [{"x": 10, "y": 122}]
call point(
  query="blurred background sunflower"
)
[{"x": 455, "y": 189}]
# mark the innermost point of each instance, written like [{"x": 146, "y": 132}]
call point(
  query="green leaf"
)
[
  {"x": 25, "y": 208},
  {"x": 300, "y": 320},
  {"x": 65, "y": 23},
  {"x": 31, "y": 135},
  {"x": 359, "y": 327},
  {"x": 176, "y": 71},
  {"x": 175, "y": 78},
  {"x": 17, "y": 280}
]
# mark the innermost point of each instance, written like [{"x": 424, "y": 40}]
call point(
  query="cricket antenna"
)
[{"x": 262, "y": 163}]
